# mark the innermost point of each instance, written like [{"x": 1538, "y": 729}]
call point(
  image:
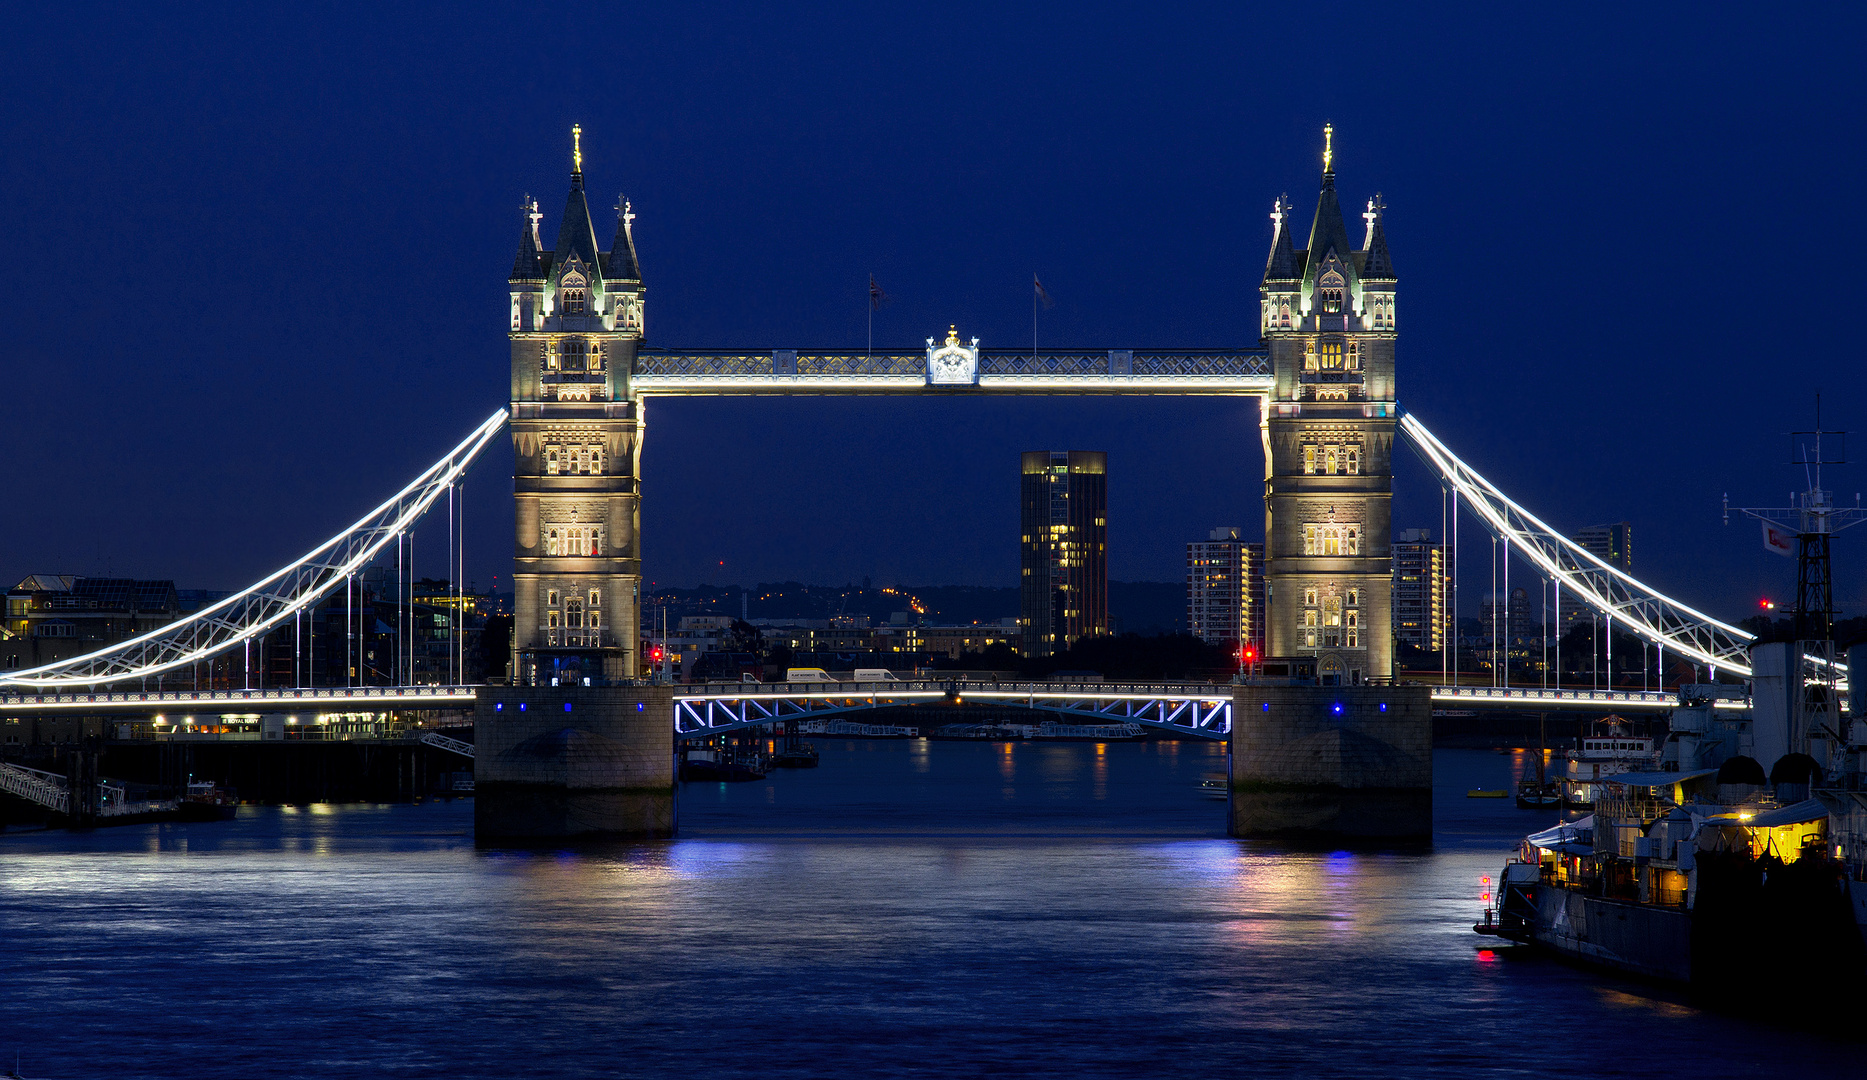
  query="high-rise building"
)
[
  {"x": 1507, "y": 622},
  {"x": 1064, "y": 583},
  {"x": 1225, "y": 589},
  {"x": 1612, "y": 544},
  {"x": 1328, "y": 317},
  {"x": 576, "y": 322},
  {"x": 1420, "y": 612}
]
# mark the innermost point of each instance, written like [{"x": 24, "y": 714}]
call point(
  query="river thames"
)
[{"x": 907, "y": 909}]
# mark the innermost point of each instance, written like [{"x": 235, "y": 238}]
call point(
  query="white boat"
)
[{"x": 1609, "y": 749}]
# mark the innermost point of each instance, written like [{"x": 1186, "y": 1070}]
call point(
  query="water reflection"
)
[{"x": 880, "y": 915}]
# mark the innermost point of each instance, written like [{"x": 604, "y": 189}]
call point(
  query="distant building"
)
[
  {"x": 52, "y": 617},
  {"x": 1612, "y": 544},
  {"x": 1064, "y": 581},
  {"x": 1225, "y": 589},
  {"x": 1507, "y": 622},
  {"x": 1420, "y": 610}
]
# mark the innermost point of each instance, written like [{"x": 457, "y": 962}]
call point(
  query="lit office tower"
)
[
  {"x": 1225, "y": 588},
  {"x": 1064, "y": 588},
  {"x": 1612, "y": 544},
  {"x": 1419, "y": 590}
]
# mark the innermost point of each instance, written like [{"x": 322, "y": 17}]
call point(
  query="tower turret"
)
[{"x": 528, "y": 273}]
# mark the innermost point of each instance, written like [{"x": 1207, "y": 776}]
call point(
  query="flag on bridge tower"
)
[
  {"x": 876, "y": 296},
  {"x": 1779, "y": 539},
  {"x": 1043, "y": 294}
]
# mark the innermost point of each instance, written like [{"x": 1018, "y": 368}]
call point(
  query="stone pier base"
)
[
  {"x": 1315, "y": 764},
  {"x": 559, "y": 763}
]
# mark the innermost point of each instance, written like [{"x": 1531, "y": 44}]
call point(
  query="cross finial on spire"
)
[
  {"x": 625, "y": 212},
  {"x": 531, "y": 211},
  {"x": 1278, "y": 212},
  {"x": 1328, "y": 147},
  {"x": 576, "y": 148}
]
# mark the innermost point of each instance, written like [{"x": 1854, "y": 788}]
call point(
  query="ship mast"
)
[{"x": 1814, "y": 519}]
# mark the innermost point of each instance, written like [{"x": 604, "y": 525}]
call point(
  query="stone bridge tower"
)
[
  {"x": 576, "y": 322},
  {"x": 1329, "y": 425}
]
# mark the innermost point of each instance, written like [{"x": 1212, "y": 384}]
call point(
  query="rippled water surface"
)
[{"x": 905, "y": 910}]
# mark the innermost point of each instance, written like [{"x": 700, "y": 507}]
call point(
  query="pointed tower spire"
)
[
  {"x": 525, "y": 265},
  {"x": 1327, "y": 233},
  {"x": 622, "y": 264},
  {"x": 576, "y": 234},
  {"x": 1379, "y": 263}
]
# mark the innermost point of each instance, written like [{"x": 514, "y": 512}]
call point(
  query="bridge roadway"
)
[{"x": 1202, "y": 709}]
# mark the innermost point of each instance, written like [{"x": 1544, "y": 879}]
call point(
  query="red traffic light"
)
[
  {"x": 655, "y": 654},
  {"x": 1250, "y": 654},
  {"x": 1767, "y": 604}
]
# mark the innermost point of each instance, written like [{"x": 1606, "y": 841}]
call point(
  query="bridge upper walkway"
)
[{"x": 690, "y": 372}]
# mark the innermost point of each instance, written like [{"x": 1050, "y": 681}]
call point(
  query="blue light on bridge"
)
[
  {"x": 1267, "y": 706},
  {"x": 499, "y": 706},
  {"x": 639, "y": 707},
  {"x": 567, "y": 706},
  {"x": 1383, "y": 706},
  {"x": 1336, "y": 708}
]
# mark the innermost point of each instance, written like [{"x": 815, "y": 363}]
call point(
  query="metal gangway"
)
[{"x": 53, "y": 792}]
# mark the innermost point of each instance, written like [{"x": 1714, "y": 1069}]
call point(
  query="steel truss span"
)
[
  {"x": 1074, "y": 371},
  {"x": 1622, "y": 599},
  {"x": 262, "y": 606},
  {"x": 1199, "y": 709}
]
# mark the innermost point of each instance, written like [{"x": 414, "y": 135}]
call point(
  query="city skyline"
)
[{"x": 1162, "y": 257}]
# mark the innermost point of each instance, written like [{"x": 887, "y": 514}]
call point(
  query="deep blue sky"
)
[{"x": 257, "y": 262}]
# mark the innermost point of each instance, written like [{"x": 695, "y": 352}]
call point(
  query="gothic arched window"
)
[{"x": 575, "y": 354}]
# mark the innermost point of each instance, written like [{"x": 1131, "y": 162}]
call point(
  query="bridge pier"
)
[
  {"x": 1325, "y": 764},
  {"x": 561, "y": 763}
]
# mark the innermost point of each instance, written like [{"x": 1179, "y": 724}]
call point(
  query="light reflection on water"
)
[{"x": 889, "y": 913}]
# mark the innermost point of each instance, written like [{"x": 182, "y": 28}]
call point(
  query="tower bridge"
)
[{"x": 1322, "y": 369}]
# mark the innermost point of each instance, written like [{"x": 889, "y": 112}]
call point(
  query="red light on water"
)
[{"x": 1486, "y": 956}]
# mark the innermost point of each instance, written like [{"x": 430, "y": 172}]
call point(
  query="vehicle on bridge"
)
[{"x": 808, "y": 675}]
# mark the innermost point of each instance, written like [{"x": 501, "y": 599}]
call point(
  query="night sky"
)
[{"x": 257, "y": 263}]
